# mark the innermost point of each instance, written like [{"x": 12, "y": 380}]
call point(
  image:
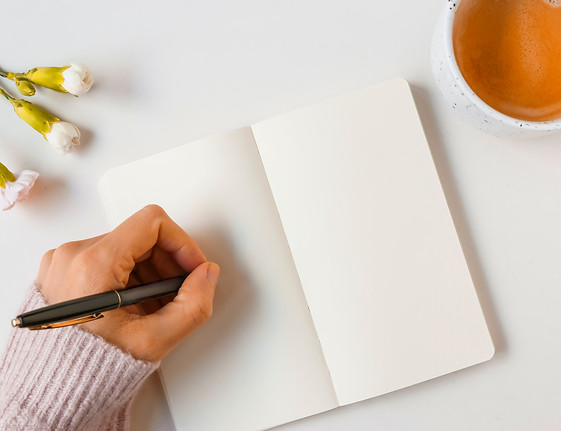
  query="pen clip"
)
[{"x": 71, "y": 322}]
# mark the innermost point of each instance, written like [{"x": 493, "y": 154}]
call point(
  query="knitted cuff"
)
[{"x": 66, "y": 379}]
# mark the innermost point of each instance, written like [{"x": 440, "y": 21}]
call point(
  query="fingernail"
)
[{"x": 212, "y": 273}]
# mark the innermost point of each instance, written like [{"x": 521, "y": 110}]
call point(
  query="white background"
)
[{"x": 170, "y": 72}]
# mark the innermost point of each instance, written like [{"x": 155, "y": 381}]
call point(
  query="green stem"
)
[
  {"x": 4, "y": 74},
  {"x": 6, "y": 95}
]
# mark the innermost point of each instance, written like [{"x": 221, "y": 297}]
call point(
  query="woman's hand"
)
[{"x": 147, "y": 247}]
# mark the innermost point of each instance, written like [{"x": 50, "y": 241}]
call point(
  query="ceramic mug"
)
[{"x": 461, "y": 98}]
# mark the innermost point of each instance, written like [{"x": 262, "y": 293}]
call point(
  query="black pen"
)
[{"x": 90, "y": 307}]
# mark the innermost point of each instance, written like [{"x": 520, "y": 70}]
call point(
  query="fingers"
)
[
  {"x": 133, "y": 240},
  {"x": 159, "y": 266},
  {"x": 164, "y": 264},
  {"x": 146, "y": 273},
  {"x": 191, "y": 307},
  {"x": 56, "y": 267}
]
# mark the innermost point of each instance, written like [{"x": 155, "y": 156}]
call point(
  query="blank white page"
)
[
  {"x": 257, "y": 362},
  {"x": 373, "y": 241}
]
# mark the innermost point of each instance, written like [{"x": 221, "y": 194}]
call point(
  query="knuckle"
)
[
  {"x": 154, "y": 211},
  {"x": 64, "y": 252},
  {"x": 45, "y": 267},
  {"x": 47, "y": 258}
]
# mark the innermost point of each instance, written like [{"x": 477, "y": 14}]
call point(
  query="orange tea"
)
[{"x": 509, "y": 53}]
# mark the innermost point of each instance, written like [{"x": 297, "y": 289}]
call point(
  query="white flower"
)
[
  {"x": 77, "y": 79},
  {"x": 63, "y": 136},
  {"x": 17, "y": 190}
]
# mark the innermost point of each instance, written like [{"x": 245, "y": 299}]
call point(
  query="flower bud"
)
[
  {"x": 61, "y": 135},
  {"x": 13, "y": 190},
  {"x": 75, "y": 78},
  {"x": 25, "y": 87}
]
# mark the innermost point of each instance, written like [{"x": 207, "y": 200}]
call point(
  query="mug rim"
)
[{"x": 472, "y": 96}]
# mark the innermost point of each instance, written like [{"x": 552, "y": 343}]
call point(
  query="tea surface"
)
[{"x": 509, "y": 52}]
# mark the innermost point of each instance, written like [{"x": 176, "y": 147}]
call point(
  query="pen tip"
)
[{"x": 16, "y": 322}]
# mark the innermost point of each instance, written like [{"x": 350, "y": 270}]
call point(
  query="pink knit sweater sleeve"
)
[{"x": 66, "y": 379}]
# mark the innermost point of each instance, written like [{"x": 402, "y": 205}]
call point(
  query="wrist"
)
[{"x": 44, "y": 372}]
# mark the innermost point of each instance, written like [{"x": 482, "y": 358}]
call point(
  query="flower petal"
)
[
  {"x": 77, "y": 79},
  {"x": 17, "y": 190},
  {"x": 63, "y": 136}
]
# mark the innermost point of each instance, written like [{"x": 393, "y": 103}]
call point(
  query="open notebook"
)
[{"x": 342, "y": 274}]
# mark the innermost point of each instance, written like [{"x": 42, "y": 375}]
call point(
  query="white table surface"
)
[{"x": 168, "y": 72}]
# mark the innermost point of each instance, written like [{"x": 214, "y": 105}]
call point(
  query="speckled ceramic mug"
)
[{"x": 461, "y": 97}]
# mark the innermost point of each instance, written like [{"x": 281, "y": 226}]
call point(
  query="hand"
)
[{"x": 147, "y": 247}]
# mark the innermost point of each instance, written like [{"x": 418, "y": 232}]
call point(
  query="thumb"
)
[{"x": 189, "y": 309}]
